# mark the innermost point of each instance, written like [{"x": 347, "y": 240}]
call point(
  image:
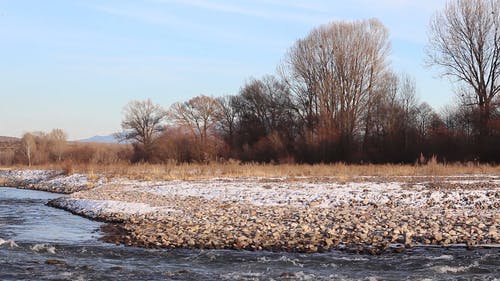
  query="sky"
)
[{"x": 75, "y": 64}]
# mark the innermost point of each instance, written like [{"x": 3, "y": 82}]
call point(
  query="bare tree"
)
[
  {"x": 199, "y": 114},
  {"x": 424, "y": 118},
  {"x": 334, "y": 71},
  {"x": 57, "y": 143},
  {"x": 227, "y": 117},
  {"x": 266, "y": 114},
  {"x": 408, "y": 96},
  {"x": 267, "y": 101},
  {"x": 141, "y": 123},
  {"x": 465, "y": 42},
  {"x": 29, "y": 147}
]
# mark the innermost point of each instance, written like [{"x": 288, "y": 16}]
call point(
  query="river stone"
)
[{"x": 55, "y": 262}]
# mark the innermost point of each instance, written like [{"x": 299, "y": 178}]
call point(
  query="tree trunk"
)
[{"x": 484, "y": 119}]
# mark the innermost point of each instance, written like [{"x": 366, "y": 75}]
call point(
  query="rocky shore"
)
[
  {"x": 367, "y": 215},
  {"x": 47, "y": 180}
]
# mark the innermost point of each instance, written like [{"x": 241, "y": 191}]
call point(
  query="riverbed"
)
[{"x": 44, "y": 243}]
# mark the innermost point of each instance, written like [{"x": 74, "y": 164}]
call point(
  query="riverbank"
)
[
  {"x": 299, "y": 214},
  {"x": 48, "y": 180},
  {"x": 62, "y": 246}
]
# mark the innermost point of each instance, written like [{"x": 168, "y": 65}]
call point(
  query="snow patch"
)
[
  {"x": 97, "y": 208},
  {"x": 29, "y": 176},
  {"x": 314, "y": 194}
]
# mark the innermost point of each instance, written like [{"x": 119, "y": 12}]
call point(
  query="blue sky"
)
[{"x": 74, "y": 64}]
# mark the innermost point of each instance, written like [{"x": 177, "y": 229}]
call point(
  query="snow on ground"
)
[
  {"x": 99, "y": 208},
  {"x": 480, "y": 190},
  {"x": 76, "y": 181},
  {"x": 277, "y": 193},
  {"x": 29, "y": 176},
  {"x": 492, "y": 180},
  {"x": 322, "y": 194},
  {"x": 54, "y": 181}
]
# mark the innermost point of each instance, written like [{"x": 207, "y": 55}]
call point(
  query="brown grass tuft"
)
[{"x": 67, "y": 168}]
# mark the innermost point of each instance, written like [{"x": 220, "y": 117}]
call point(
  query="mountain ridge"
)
[{"x": 100, "y": 139}]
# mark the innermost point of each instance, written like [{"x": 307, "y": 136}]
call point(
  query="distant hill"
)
[
  {"x": 9, "y": 139},
  {"x": 9, "y": 143},
  {"x": 100, "y": 139}
]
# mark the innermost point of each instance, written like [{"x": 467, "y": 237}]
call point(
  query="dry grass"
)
[
  {"x": 174, "y": 171},
  {"x": 3, "y": 181}
]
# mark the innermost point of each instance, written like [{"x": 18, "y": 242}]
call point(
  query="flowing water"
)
[{"x": 43, "y": 243}]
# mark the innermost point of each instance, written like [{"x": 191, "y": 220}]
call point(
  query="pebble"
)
[{"x": 55, "y": 262}]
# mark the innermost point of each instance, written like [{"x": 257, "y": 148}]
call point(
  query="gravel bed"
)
[{"x": 367, "y": 215}]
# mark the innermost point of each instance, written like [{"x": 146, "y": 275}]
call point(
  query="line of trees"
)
[
  {"x": 334, "y": 98},
  {"x": 42, "y": 148},
  {"x": 465, "y": 43}
]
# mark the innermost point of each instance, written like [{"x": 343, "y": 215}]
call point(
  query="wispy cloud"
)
[
  {"x": 193, "y": 27},
  {"x": 401, "y": 14},
  {"x": 399, "y": 5},
  {"x": 145, "y": 15},
  {"x": 264, "y": 10}
]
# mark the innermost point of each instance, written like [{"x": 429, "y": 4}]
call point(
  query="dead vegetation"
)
[{"x": 234, "y": 169}]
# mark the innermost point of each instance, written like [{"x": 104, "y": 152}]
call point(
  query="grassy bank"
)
[{"x": 174, "y": 171}]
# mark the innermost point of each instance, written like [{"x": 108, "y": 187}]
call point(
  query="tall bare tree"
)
[
  {"x": 227, "y": 118},
  {"x": 268, "y": 102},
  {"x": 199, "y": 114},
  {"x": 465, "y": 42},
  {"x": 424, "y": 118},
  {"x": 142, "y": 121},
  {"x": 29, "y": 147},
  {"x": 57, "y": 143},
  {"x": 334, "y": 71}
]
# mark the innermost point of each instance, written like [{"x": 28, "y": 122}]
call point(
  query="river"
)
[{"x": 43, "y": 243}]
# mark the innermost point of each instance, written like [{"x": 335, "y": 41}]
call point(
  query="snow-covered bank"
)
[
  {"x": 108, "y": 210},
  {"x": 306, "y": 215},
  {"x": 47, "y": 180},
  {"x": 470, "y": 194},
  {"x": 328, "y": 194},
  {"x": 290, "y": 214}
]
